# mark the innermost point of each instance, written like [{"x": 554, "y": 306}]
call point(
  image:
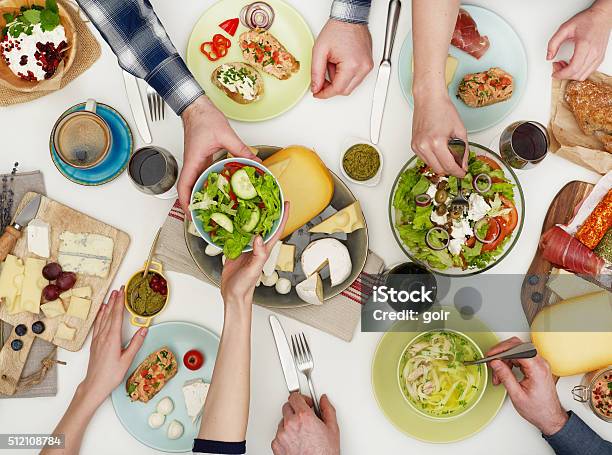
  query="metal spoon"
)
[{"x": 522, "y": 351}]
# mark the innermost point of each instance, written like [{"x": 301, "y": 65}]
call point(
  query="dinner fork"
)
[
  {"x": 157, "y": 107},
  {"x": 305, "y": 364},
  {"x": 458, "y": 149},
  {"x": 521, "y": 351}
]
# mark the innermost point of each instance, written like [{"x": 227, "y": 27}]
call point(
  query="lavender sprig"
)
[{"x": 6, "y": 197}]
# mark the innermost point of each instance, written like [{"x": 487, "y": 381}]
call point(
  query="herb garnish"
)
[{"x": 24, "y": 22}]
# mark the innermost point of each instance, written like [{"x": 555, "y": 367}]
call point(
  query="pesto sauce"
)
[
  {"x": 143, "y": 300},
  {"x": 361, "y": 162}
]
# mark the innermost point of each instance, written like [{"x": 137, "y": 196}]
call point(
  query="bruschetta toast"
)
[
  {"x": 151, "y": 375},
  {"x": 485, "y": 88},
  {"x": 262, "y": 50}
]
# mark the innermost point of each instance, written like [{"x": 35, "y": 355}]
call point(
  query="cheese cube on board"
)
[
  {"x": 286, "y": 258},
  {"x": 568, "y": 285},
  {"x": 65, "y": 332},
  {"x": 79, "y": 307},
  {"x": 33, "y": 284},
  {"x": 38, "y": 238},
  {"x": 347, "y": 220},
  {"x": 53, "y": 309},
  {"x": 11, "y": 279},
  {"x": 84, "y": 291}
]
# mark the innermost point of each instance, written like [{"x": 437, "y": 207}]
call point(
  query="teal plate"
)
[
  {"x": 506, "y": 52},
  {"x": 179, "y": 337},
  {"x": 115, "y": 162}
]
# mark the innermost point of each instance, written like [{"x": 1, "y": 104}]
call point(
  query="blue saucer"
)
[{"x": 118, "y": 156}]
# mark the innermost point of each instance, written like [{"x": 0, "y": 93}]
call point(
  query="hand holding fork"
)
[{"x": 305, "y": 364}]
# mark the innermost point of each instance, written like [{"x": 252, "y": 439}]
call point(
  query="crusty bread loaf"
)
[{"x": 238, "y": 97}]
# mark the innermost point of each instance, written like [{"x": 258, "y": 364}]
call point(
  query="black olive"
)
[
  {"x": 16, "y": 345},
  {"x": 455, "y": 214},
  {"x": 21, "y": 330},
  {"x": 441, "y": 210},
  {"x": 442, "y": 184},
  {"x": 38, "y": 327}
]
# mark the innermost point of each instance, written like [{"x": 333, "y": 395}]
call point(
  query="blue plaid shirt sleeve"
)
[
  {"x": 353, "y": 11},
  {"x": 137, "y": 37}
]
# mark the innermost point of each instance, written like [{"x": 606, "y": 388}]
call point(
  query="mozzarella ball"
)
[
  {"x": 165, "y": 406},
  {"x": 283, "y": 286},
  {"x": 175, "y": 430},
  {"x": 212, "y": 250},
  {"x": 269, "y": 280},
  {"x": 156, "y": 420}
]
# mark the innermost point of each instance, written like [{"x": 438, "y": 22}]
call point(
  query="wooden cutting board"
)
[
  {"x": 60, "y": 218},
  {"x": 535, "y": 295}
]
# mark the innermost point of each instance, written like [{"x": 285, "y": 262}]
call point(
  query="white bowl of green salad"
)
[
  {"x": 233, "y": 201},
  {"x": 446, "y": 242}
]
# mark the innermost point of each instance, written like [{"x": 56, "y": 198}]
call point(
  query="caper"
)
[
  {"x": 441, "y": 196},
  {"x": 442, "y": 184},
  {"x": 441, "y": 210}
]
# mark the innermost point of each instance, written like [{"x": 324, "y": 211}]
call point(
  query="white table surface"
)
[{"x": 342, "y": 369}]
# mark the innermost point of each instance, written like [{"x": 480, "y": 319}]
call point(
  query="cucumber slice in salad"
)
[
  {"x": 253, "y": 220},
  {"x": 242, "y": 186},
  {"x": 223, "y": 220}
]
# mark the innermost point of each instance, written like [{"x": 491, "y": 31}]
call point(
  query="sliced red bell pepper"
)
[{"x": 230, "y": 26}]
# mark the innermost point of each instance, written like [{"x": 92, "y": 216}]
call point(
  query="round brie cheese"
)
[{"x": 327, "y": 253}]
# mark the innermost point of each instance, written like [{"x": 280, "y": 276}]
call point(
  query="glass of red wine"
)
[{"x": 524, "y": 144}]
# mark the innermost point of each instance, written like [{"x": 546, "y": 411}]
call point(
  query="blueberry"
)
[
  {"x": 16, "y": 345},
  {"x": 38, "y": 327},
  {"x": 21, "y": 330}
]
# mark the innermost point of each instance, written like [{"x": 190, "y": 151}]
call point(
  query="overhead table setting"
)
[{"x": 509, "y": 227}]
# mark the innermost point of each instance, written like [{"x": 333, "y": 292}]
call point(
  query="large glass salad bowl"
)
[{"x": 451, "y": 243}]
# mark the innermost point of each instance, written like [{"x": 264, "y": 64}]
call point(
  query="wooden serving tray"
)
[
  {"x": 535, "y": 295},
  {"x": 60, "y": 218}
]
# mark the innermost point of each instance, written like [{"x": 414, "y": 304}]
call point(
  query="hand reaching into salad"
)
[{"x": 207, "y": 131}]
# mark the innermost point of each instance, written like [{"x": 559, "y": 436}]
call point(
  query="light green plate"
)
[
  {"x": 279, "y": 96},
  {"x": 402, "y": 415}
]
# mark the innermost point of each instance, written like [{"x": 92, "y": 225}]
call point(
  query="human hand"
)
[
  {"x": 534, "y": 397},
  {"x": 240, "y": 275},
  {"x": 435, "y": 121},
  {"x": 345, "y": 51},
  {"x": 206, "y": 132},
  {"x": 108, "y": 361},
  {"x": 301, "y": 432},
  {"x": 590, "y": 32}
]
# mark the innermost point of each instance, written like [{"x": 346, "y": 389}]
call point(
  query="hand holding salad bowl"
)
[{"x": 233, "y": 201}]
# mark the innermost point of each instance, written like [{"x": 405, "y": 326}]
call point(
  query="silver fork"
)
[
  {"x": 157, "y": 107},
  {"x": 305, "y": 364},
  {"x": 458, "y": 149}
]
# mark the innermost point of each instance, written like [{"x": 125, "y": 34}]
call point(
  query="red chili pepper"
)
[{"x": 230, "y": 26}]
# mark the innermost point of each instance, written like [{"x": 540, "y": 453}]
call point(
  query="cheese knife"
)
[
  {"x": 138, "y": 111},
  {"x": 384, "y": 71},
  {"x": 13, "y": 232},
  {"x": 284, "y": 355}
]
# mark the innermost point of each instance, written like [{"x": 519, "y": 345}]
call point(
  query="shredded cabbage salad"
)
[{"x": 433, "y": 377}]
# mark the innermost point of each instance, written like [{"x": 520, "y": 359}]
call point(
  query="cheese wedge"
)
[
  {"x": 79, "y": 307},
  {"x": 53, "y": 309},
  {"x": 327, "y": 253},
  {"x": 347, "y": 220},
  {"x": 306, "y": 183},
  {"x": 11, "y": 280},
  {"x": 574, "y": 335},
  {"x": 195, "y": 392},
  {"x": 568, "y": 285},
  {"x": 31, "y": 289},
  {"x": 65, "y": 332},
  {"x": 89, "y": 254},
  {"x": 311, "y": 290},
  {"x": 38, "y": 237},
  {"x": 286, "y": 258}
]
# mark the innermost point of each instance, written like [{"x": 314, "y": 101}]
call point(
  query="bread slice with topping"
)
[
  {"x": 239, "y": 81},
  {"x": 151, "y": 375},
  {"x": 262, "y": 50}
]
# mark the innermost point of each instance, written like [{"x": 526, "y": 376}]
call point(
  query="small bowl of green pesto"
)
[{"x": 361, "y": 162}]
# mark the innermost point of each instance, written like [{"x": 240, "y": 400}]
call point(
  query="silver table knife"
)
[
  {"x": 138, "y": 109},
  {"x": 384, "y": 71},
  {"x": 284, "y": 355}
]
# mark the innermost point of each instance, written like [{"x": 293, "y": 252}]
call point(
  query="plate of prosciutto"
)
[{"x": 486, "y": 68}]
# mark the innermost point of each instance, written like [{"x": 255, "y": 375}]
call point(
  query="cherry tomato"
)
[
  {"x": 496, "y": 233},
  {"x": 508, "y": 222},
  {"x": 193, "y": 359}
]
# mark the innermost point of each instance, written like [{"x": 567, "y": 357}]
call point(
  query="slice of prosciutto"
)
[
  {"x": 567, "y": 252},
  {"x": 466, "y": 36}
]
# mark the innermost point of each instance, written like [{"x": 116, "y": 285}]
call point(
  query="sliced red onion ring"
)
[
  {"x": 483, "y": 221},
  {"x": 257, "y": 15},
  {"x": 445, "y": 241},
  {"x": 482, "y": 178},
  {"x": 422, "y": 200}
]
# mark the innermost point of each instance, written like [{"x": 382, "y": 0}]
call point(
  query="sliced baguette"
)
[{"x": 238, "y": 97}]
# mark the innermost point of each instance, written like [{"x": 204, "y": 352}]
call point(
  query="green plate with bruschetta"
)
[{"x": 251, "y": 74}]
